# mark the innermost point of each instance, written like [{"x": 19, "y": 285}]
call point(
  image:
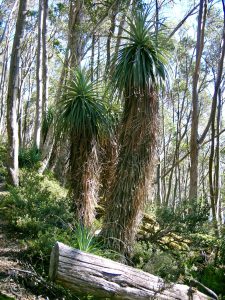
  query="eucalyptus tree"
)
[
  {"x": 138, "y": 70},
  {"x": 12, "y": 96},
  {"x": 41, "y": 71},
  {"x": 194, "y": 147},
  {"x": 83, "y": 116}
]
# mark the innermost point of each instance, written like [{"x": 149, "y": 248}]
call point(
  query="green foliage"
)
[
  {"x": 212, "y": 277},
  {"x": 81, "y": 110},
  {"x": 41, "y": 212},
  {"x": 47, "y": 122},
  {"x": 201, "y": 259},
  {"x": 36, "y": 205},
  {"x": 151, "y": 259},
  {"x": 28, "y": 158},
  {"x": 38, "y": 209},
  {"x": 187, "y": 218},
  {"x": 85, "y": 239},
  {"x": 3, "y": 156},
  {"x": 4, "y": 297},
  {"x": 141, "y": 61}
]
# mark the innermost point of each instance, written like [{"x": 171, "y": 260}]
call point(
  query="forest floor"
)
[{"x": 15, "y": 276}]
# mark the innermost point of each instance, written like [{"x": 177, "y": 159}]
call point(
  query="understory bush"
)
[
  {"x": 29, "y": 158},
  {"x": 38, "y": 206},
  {"x": 39, "y": 211},
  {"x": 3, "y": 158},
  {"x": 178, "y": 245},
  {"x": 181, "y": 245}
]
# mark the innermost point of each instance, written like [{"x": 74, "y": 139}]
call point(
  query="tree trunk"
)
[
  {"x": 193, "y": 192},
  {"x": 86, "y": 273},
  {"x": 12, "y": 97},
  {"x": 130, "y": 186},
  {"x": 217, "y": 162},
  {"x": 76, "y": 46},
  {"x": 45, "y": 58},
  {"x": 3, "y": 84},
  {"x": 92, "y": 56},
  {"x": 84, "y": 178},
  {"x": 39, "y": 98},
  {"x": 111, "y": 32}
]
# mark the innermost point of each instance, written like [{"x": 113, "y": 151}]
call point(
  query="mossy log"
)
[{"x": 86, "y": 273}]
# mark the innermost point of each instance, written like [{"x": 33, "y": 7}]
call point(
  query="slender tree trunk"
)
[
  {"x": 193, "y": 192},
  {"x": 217, "y": 165},
  {"x": 211, "y": 175},
  {"x": 12, "y": 97},
  {"x": 8, "y": 21},
  {"x": 111, "y": 32},
  {"x": 39, "y": 79},
  {"x": 75, "y": 34},
  {"x": 217, "y": 162},
  {"x": 159, "y": 184},
  {"x": 45, "y": 57},
  {"x": 3, "y": 88},
  {"x": 98, "y": 70},
  {"x": 72, "y": 61},
  {"x": 26, "y": 114},
  {"x": 92, "y": 56},
  {"x": 20, "y": 111}
]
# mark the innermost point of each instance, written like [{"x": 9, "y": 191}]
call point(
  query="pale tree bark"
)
[
  {"x": 27, "y": 58},
  {"x": 10, "y": 17},
  {"x": 194, "y": 151},
  {"x": 98, "y": 69},
  {"x": 217, "y": 84},
  {"x": 217, "y": 163},
  {"x": 3, "y": 86},
  {"x": 190, "y": 13},
  {"x": 45, "y": 58},
  {"x": 6, "y": 37},
  {"x": 92, "y": 56},
  {"x": 103, "y": 278},
  {"x": 121, "y": 28},
  {"x": 74, "y": 51},
  {"x": 26, "y": 125},
  {"x": 76, "y": 45},
  {"x": 214, "y": 169},
  {"x": 109, "y": 38},
  {"x": 51, "y": 142},
  {"x": 39, "y": 81},
  {"x": 12, "y": 97},
  {"x": 195, "y": 142}
]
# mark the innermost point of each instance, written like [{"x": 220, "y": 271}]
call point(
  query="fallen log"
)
[{"x": 86, "y": 273}]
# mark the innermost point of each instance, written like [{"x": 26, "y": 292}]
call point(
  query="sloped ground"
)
[{"x": 14, "y": 276}]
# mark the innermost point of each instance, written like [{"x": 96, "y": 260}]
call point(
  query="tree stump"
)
[{"x": 86, "y": 273}]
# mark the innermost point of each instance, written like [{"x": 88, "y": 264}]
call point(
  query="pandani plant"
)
[
  {"x": 84, "y": 118},
  {"x": 138, "y": 72}
]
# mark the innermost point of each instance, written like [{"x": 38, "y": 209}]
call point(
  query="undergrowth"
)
[
  {"x": 39, "y": 212},
  {"x": 178, "y": 246}
]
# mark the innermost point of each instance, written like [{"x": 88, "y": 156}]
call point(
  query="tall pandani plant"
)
[
  {"x": 137, "y": 74},
  {"x": 84, "y": 118}
]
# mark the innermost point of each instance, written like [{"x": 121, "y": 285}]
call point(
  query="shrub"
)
[
  {"x": 37, "y": 204},
  {"x": 28, "y": 158},
  {"x": 41, "y": 211},
  {"x": 3, "y": 158}
]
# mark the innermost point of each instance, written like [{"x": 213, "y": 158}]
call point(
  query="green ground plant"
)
[
  {"x": 181, "y": 246},
  {"x": 29, "y": 157},
  {"x": 40, "y": 212}
]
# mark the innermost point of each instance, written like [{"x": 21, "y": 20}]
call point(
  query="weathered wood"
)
[{"x": 87, "y": 273}]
